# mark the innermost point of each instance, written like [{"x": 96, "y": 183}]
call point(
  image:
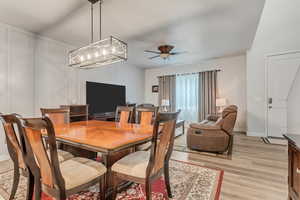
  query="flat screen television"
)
[{"x": 103, "y": 98}]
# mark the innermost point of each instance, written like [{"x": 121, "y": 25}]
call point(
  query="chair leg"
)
[
  {"x": 30, "y": 186},
  {"x": 62, "y": 196},
  {"x": 37, "y": 188},
  {"x": 115, "y": 186},
  {"x": 15, "y": 182},
  {"x": 167, "y": 180},
  {"x": 102, "y": 187},
  {"x": 148, "y": 190}
]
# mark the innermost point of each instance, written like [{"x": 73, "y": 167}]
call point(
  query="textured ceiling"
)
[{"x": 204, "y": 28}]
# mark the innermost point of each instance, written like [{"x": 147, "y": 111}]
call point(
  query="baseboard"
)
[
  {"x": 4, "y": 157},
  {"x": 255, "y": 134}
]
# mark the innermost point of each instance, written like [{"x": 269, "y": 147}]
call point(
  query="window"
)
[{"x": 187, "y": 96}]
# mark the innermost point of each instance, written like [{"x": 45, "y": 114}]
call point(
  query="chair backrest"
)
[
  {"x": 58, "y": 116},
  {"x": 15, "y": 142},
  {"x": 164, "y": 130},
  {"x": 145, "y": 116},
  {"x": 38, "y": 160},
  {"x": 228, "y": 120},
  {"x": 124, "y": 114}
]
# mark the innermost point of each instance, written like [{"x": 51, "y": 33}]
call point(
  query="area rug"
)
[{"x": 188, "y": 181}]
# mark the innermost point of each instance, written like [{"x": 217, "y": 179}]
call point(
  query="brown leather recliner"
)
[{"x": 215, "y": 134}]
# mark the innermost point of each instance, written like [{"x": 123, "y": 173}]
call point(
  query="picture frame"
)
[{"x": 155, "y": 88}]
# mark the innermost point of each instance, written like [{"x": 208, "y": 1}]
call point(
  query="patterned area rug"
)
[{"x": 188, "y": 182}]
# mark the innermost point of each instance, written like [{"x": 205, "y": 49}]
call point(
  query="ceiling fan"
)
[{"x": 164, "y": 52}]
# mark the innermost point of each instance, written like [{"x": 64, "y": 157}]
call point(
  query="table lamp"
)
[
  {"x": 220, "y": 103},
  {"x": 165, "y": 103}
]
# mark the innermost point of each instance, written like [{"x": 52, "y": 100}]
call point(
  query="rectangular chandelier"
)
[{"x": 104, "y": 52}]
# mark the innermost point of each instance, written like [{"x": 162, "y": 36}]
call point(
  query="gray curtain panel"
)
[
  {"x": 207, "y": 93},
  {"x": 167, "y": 90}
]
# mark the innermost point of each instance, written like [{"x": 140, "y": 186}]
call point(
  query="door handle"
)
[
  {"x": 298, "y": 171},
  {"x": 270, "y": 107},
  {"x": 270, "y": 100}
]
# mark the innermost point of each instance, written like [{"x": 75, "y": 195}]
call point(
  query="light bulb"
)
[
  {"x": 113, "y": 50},
  {"x": 96, "y": 54},
  {"x": 88, "y": 56},
  {"x": 81, "y": 58},
  {"x": 104, "y": 52}
]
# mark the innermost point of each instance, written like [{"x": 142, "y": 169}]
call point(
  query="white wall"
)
[
  {"x": 293, "y": 118},
  {"x": 121, "y": 74},
  {"x": 231, "y": 80},
  {"x": 34, "y": 74},
  {"x": 278, "y": 31},
  {"x": 16, "y": 74},
  {"x": 56, "y": 83}
]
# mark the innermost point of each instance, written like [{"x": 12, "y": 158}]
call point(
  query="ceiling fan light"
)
[{"x": 164, "y": 55}]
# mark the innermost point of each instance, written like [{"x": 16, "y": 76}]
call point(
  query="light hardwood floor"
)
[{"x": 257, "y": 171}]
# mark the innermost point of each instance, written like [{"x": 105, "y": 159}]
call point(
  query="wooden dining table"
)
[{"x": 113, "y": 140}]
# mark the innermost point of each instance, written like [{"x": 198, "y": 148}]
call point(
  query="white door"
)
[{"x": 281, "y": 73}]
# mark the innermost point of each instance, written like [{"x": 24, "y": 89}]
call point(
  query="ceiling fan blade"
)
[
  {"x": 177, "y": 53},
  {"x": 149, "y": 51},
  {"x": 154, "y": 57}
]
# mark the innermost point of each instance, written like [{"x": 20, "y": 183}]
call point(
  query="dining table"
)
[{"x": 113, "y": 140}]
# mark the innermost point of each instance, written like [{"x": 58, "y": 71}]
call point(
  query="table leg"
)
[{"x": 109, "y": 159}]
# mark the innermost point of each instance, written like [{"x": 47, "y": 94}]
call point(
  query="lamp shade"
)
[
  {"x": 165, "y": 102},
  {"x": 220, "y": 102}
]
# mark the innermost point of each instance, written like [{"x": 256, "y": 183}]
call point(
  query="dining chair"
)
[
  {"x": 146, "y": 166},
  {"x": 58, "y": 180},
  {"x": 124, "y": 114},
  {"x": 58, "y": 116},
  {"x": 15, "y": 146},
  {"x": 145, "y": 115},
  {"x": 15, "y": 150}
]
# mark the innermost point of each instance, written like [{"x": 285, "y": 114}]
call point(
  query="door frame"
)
[{"x": 267, "y": 57}]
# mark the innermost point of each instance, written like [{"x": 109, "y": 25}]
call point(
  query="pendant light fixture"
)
[{"x": 103, "y": 52}]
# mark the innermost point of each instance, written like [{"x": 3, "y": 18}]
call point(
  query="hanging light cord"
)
[
  {"x": 100, "y": 19},
  {"x": 92, "y": 23}
]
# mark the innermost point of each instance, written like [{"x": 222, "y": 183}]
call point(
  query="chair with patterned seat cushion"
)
[
  {"x": 146, "y": 166},
  {"x": 58, "y": 180}
]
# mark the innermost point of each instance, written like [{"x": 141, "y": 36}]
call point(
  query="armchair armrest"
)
[{"x": 205, "y": 127}]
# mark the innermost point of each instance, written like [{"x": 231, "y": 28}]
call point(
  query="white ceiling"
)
[{"x": 204, "y": 28}]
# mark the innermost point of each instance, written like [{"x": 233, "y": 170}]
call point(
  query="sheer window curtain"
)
[{"x": 187, "y": 96}]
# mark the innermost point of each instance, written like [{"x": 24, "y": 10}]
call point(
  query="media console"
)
[{"x": 107, "y": 116}]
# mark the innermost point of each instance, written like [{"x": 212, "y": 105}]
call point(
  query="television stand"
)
[{"x": 107, "y": 116}]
